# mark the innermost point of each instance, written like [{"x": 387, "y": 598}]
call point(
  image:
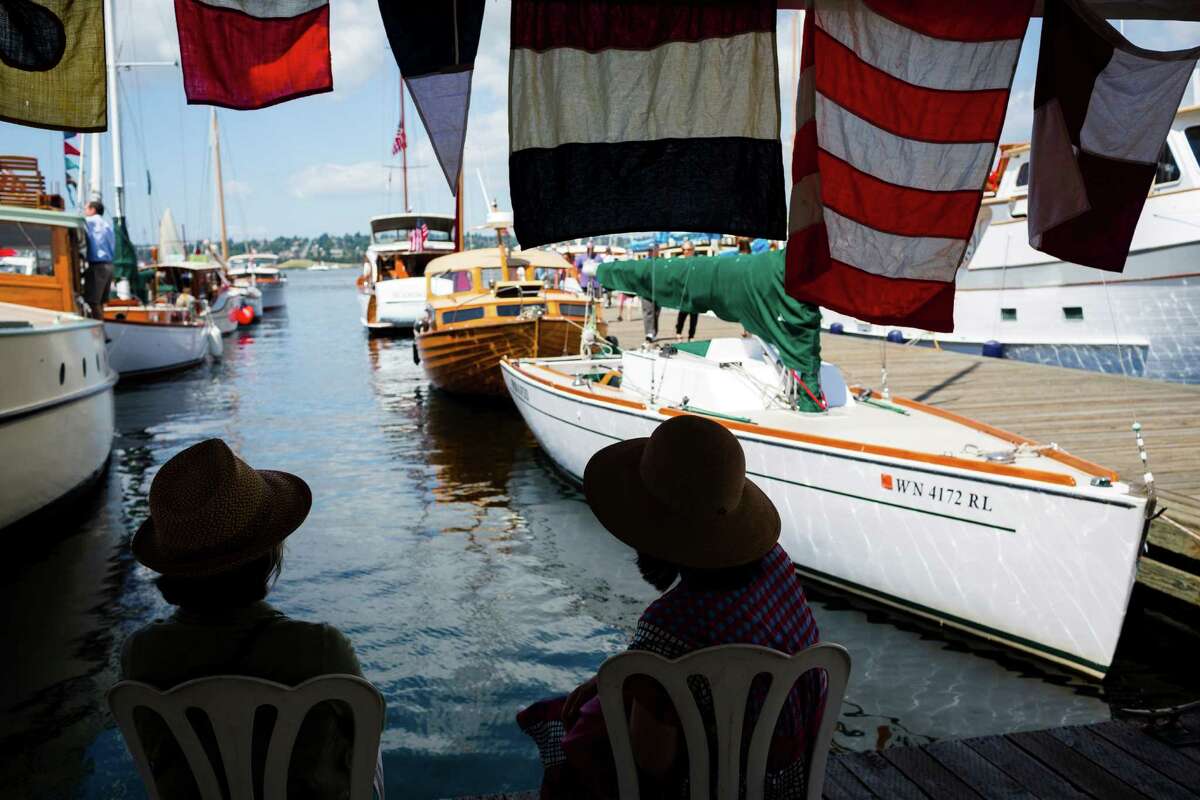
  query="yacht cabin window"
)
[
  {"x": 1008, "y": 314},
  {"x": 1193, "y": 138},
  {"x": 1168, "y": 170},
  {"x": 1023, "y": 175},
  {"x": 1072, "y": 312},
  {"x": 26, "y": 249}
]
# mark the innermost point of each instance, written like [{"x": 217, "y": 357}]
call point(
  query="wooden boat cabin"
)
[{"x": 499, "y": 305}]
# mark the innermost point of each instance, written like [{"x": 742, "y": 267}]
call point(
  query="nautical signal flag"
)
[
  {"x": 248, "y": 54},
  {"x": 898, "y": 110},
  {"x": 1102, "y": 109},
  {"x": 52, "y": 64},
  {"x": 435, "y": 44},
  {"x": 644, "y": 115}
]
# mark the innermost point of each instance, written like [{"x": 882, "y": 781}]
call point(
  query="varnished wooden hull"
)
[{"x": 467, "y": 360}]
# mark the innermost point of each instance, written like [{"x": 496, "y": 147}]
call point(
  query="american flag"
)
[
  {"x": 401, "y": 141},
  {"x": 416, "y": 239}
]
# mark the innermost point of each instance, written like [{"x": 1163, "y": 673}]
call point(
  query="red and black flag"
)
[
  {"x": 1102, "y": 111},
  {"x": 644, "y": 115},
  {"x": 435, "y": 45}
]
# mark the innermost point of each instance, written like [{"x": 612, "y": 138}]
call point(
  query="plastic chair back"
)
[
  {"x": 730, "y": 671},
  {"x": 231, "y": 702}
]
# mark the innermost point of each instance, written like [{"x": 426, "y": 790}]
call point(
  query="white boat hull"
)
[
  {"x": 1045, "y": 569},
  {"x": 55, "y": 436},
  {"x": 223, "y": 312},
  {"x": 142, "y": 349},
  {"x": 273, "y": 294},
  {"x": 399, "y": 304}
]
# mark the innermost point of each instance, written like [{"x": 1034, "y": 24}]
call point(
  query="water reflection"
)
[{"x": 470, "y": 576}]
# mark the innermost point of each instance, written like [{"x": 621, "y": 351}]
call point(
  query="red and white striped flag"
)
[
  {"x": 898, "y": 111},
  {"x": 401, "y": 141}
]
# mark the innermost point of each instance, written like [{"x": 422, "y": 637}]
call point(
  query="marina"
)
[{"x": 522, "y": 592}]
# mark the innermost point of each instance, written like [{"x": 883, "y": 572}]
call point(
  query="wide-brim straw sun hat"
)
[
  {"x": 682, "y": 496},
  {"x": 211, "y": 512}
]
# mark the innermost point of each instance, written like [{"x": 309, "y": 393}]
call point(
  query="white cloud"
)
[
  {"x": 235, "y": 188},
  {"x": 357, "y": 42},
  {"x": 337, "y": 179}
]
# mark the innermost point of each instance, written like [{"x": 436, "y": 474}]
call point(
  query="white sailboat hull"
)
[
  {"x": 1045, "y": 569},
  {"x": 55, "y": 436},
  {"x": 142, "y": 349},
  {"x": 223, "y": 310}
]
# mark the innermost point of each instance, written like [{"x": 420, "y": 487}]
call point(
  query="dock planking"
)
[
  {"x": 1081, "y": 762},
  {"x": 1088, "y": 414}
]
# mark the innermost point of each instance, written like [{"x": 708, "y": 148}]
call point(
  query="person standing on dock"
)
[
  {"x": 101, "y": 245},
  {"x": 650, "y": 309},
  {"x": 689, "y": 250},
  {"x": 707, "y": 538}
]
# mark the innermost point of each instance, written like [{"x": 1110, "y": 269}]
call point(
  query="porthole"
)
[
  {"x": 62, "y": 373},
  {"x": 84, "y": 360}
]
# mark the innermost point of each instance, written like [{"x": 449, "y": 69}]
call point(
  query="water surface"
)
[{"x": 467, "y": 572}]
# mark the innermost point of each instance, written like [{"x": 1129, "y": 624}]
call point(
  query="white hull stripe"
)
[
  {"x": 566, "y": 96},
  {"x": 268, "y": 9},
  {"x": 914, "y": 57},
  {"x": 905, "y": 162},
  {"x": 805, "y": 207},
  {"x": 892, "y": 256}
]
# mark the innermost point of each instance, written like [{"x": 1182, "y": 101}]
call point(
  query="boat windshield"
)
[
  {"x": 403, "y": 234},
  {"x": 25, "y": 249}
]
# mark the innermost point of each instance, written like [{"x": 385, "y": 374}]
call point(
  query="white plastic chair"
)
[
  {"x": 230, "y": 702},
  {"x": 730, "y": 670}
]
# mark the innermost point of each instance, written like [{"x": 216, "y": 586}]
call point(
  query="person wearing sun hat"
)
[
  {"x": 707, "y": 537},
  {"x": 215, "y": 535}
]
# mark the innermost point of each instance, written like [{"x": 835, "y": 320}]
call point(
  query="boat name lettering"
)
[
  {"x": 945, "y": 495},
  {"x": 519, "y": 390}
]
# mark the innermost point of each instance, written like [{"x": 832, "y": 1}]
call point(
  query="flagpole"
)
[
  {"x": 404, "y": 149},
  {"x": 458, "y": 212}
]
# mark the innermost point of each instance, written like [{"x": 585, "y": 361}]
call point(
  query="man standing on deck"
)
[
  {"x": 650, "y": 308},
  {"x": 688, "y": 251},
  {"x": 100, "y": 248}
]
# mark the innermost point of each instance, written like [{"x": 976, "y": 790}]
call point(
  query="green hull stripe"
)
[
  {"x": 965, "y": 624},
  {"x": 884, "y": 502}
]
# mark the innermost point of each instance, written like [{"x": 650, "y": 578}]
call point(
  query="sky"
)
[{"x": 323, "y": 164}]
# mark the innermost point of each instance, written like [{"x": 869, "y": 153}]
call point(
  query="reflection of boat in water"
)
[
  {"x": 1029, "y": 306},
  {"x": 56, "y": 399},
  {"x": 905, "y": 503},
  {"x": 391, "y": 290},
  {"x": 259, "y": 270},
  {"x": 500, "y": 305}
]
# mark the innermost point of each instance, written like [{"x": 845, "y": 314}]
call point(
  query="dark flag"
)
[
  {"x": 435, "y": 45},
  {"x": 1102, "y": 109},
  {"x": 644, "y": 115}
]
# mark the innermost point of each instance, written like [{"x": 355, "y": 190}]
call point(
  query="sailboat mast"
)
[
  {"x": 110, "y": 55},
  {"x": 220, "y": 187},
  {"x": 404, "y": 149},
  {"x": 458, "y": 213}
]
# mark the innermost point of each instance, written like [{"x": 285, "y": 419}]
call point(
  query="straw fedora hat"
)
[
  {"x": 682, "y": 496},
  {"x": 210, "y": 512}
]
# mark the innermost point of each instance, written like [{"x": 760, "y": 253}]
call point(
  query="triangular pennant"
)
[{"x": 435, "y": 46}]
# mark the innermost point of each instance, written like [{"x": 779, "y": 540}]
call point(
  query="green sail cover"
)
[
  {"x": 743, "y": 288},
  {"x": 125, "y": 259}
]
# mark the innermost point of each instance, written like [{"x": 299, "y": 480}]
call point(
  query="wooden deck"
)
[
  {"x": 1105, "y": 761},
  {"x": 1086, "y": 413}
]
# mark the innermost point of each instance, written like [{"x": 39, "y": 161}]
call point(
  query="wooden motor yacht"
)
[
  {"x": 260, "y": 271},
  {"x": 56, "y": 401}
]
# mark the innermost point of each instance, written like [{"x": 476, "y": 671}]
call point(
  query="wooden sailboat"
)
[{"x": 56, "y": 400}]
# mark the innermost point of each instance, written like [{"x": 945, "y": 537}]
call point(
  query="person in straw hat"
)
[
  {"x": 708, "y": 539},
  {"x": 215, "y": 536}
]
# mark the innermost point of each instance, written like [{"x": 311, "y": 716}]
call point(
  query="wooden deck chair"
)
[
  {"x": 21, "y": 182},
  {"x": 730, "y": 670},
  {"x": 230, "y": 702}
]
